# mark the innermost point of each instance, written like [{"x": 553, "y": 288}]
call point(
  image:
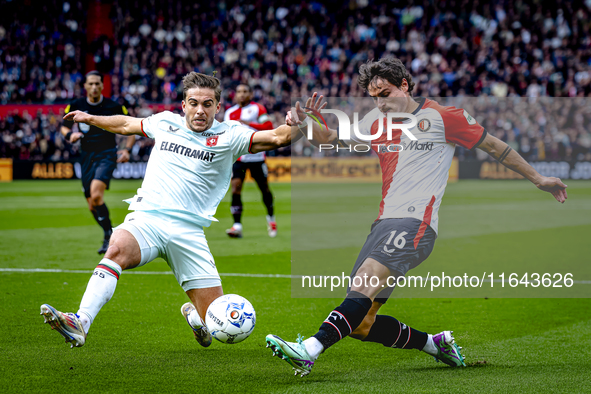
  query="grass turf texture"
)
[{"x": 141, "y": 343}]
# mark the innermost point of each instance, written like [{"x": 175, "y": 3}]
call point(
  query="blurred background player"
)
[
  {"x": 99, "y": 150},
  {"x": 253, "y": 115}
]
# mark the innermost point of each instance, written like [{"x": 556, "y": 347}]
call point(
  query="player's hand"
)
[
  {"x": 555, "y": 186},
  {"x": 76, "y": 136},
  {"x": 122, "y": 156},
  {"x": 298, "y": 114},
  {"x": 78, "y": 116}
]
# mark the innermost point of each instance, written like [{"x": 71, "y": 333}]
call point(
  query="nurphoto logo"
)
[{"x": 404, "y": 122}]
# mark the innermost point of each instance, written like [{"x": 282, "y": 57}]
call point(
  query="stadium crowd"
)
[{"x": 452, "y": 48}]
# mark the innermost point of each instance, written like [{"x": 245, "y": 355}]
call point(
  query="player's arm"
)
[
  {"x": 118, "y": 124},
  {"x": 272, "y": 139},
  {"x": 505, "y": 155},
  {"x": 69, "y": 135},
  {"x": 263, "y": 122},
  {"x": 125, "y": 154},
  {"x": 321, "y": 134},
  {"x": 291, "y": 131}
]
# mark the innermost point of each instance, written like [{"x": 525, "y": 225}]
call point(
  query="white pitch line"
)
[
  {"x": 236, "y": 274},
  {"x": 55, "y": 270}
]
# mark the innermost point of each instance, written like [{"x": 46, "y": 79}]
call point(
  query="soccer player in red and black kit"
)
[
  {"x": 403, "y": 236},
  {"x": 99, "y": 150},
  {"x": 255, "y": 116}
]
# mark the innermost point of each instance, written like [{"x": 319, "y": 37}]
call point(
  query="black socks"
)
[
  {"x": 101, "y": 215},
  {"x": 344, "y": 319},
  {"x": 391, "y": 333},
  {"x": 236, "y": 207}
]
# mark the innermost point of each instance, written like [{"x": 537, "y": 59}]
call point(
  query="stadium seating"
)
[{"x": 501, "y": 49}]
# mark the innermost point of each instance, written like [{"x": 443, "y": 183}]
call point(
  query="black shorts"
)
[
  {"x": 399, "y": 244},
  {"x": 258, "y": 170},
  {"x": 98, "y": 165}
]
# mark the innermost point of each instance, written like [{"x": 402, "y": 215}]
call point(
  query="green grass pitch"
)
[{"x": 141, "y": 343}]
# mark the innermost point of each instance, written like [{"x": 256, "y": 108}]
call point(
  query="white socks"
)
[
  {"x": 194, "y": 319},
  {"x": 237, "y": 226},
  {"x": 99, "y": 291},
  {"x": 313, "y": 347},
  {"x": 430, "y": 347}
]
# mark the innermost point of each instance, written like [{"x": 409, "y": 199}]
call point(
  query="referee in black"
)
[{"x": 99, "y": 150}]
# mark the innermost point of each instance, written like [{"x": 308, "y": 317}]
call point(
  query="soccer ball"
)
[{"x": 230, "y": 318}]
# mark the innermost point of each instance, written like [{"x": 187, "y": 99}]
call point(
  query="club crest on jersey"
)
[
  {"x": 212, "y": 141},
  {"x": 424, "y": 125}
]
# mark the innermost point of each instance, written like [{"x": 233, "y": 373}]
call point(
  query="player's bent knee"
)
[
  {"x": 113, "y": 252},
  {"x": 124, "y": 250},
  {"x": 96, "y": 200}
]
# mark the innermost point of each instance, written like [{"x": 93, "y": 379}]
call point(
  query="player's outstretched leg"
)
[
  {"x": 124, "y": 253},
  {"x": 294, "y": 353},
  {"x": 394, "y": 334},
  {"x": 194, "y": 321},
  {"x": 339, "y": 324},
  {"x": 67, "y": 324},
  {"x": 100, "y": 289}
]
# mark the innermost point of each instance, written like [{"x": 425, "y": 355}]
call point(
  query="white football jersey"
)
[
  {"x": 188, "y": 173},
  {"x": 414, "y": 179},
  {"x": 251, "y": 113}
]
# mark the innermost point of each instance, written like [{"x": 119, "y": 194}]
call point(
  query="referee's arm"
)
[
  {"x": 118, "y": 124},
  {"x": 66, "y": 130}
]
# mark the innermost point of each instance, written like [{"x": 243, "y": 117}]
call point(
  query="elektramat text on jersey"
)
[{"x": 184, "y": 151}]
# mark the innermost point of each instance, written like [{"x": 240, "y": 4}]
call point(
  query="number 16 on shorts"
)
[{"x": 396, "y": 242}]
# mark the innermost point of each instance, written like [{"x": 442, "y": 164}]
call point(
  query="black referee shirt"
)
[{"x": 95, "y": 139}]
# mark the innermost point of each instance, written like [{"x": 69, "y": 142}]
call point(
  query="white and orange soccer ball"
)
[{"x": 230, "y": 318}]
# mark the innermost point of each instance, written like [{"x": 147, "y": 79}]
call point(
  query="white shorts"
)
[{"x": 180, "y": 242}]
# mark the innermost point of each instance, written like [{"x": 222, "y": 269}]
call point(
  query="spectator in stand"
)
[{"x": 509, "y": 49}]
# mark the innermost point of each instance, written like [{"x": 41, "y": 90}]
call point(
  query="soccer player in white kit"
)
[
  {"x": 403, "y": 235},
  {"x": 187, "y": 176}
]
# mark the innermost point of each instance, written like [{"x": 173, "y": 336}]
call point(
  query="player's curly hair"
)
[
  {"x": 389, "y": 68},
  {"x": 197, "y": 80}
]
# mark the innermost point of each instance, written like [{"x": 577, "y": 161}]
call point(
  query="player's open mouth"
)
[{"x": 199, "y": 122}]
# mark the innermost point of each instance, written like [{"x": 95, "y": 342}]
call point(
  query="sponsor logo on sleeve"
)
[{"x": 469, "y": 118}]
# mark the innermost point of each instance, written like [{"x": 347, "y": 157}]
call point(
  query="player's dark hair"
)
[
  {"x": 197, "y": 80},
  {"x": 248, "y": 87},
  {"x": 389, "y": 68},
  {"x": 98, "y": 74}
]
